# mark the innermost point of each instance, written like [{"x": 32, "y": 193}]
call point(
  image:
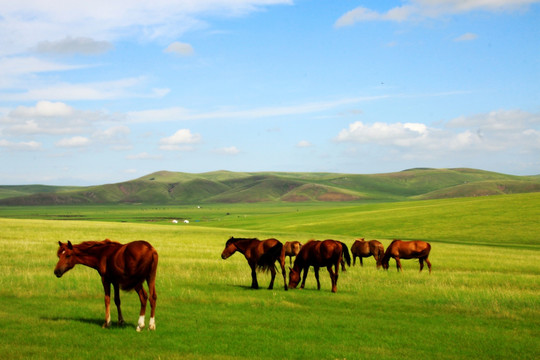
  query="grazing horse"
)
[
  {"x": 260, "y": 255},
  {"x": 126, "y": 267},
  {"x": 319, "y": 253},
  {"x": 364, "y": 249},
  {"x": 292, "y": 248},
  {"x": 399, "y": 249}
]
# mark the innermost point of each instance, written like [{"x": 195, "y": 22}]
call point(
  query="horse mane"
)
[
  {"x": 93, "y": 245},
  {"x": 234, "y": 240}
]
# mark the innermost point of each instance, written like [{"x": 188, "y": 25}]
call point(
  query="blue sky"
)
[{"x": 106, "y": 91}]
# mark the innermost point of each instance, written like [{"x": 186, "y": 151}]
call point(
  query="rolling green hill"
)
[{"x": 165, "y": 187}]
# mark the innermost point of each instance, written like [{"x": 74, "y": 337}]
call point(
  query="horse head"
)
[
  {"x": 66, "y": 259},
  {"x": 230, "y": 248},
  {"x": 294, "y": 278}
]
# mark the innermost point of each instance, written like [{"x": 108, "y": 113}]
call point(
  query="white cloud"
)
[
  {"x": 106, "y": 90},
  {"x": 76, "y": 141},
  {"x": 499, "y": 131},
  {"x": 466, "y": 37},
  {"x": 421, "y": 9},
  {"x": 25, "y": 23},
  {"x": 180, "y": 48},
  {"x": 303, "y": 144},
  {"x": 231, "y": 150},
  {"x": 382, "y": 133},
  {"x": 181, "y": 113},
  {"x": 143, "y": 156},
  {"x": 180, "y": 140},
  {"x": 50, "y": 118},
  {"x": 23, "y": 145},
  {"x": 70, "y": 45}
]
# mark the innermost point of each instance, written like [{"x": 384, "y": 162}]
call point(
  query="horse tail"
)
[
  {"x": 426, "y": 251},
  {"x": 380, "y": 254},
  {"x": 346, "y": 254},
  {"x": 268, "y": 259}
]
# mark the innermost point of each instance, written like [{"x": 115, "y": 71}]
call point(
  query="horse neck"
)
[
  {"x": 386, "y": 256},
  {"x": 298, "y": 263},
  {"x": 90, "y": 255},
  {"x": 242, "y": 245}
]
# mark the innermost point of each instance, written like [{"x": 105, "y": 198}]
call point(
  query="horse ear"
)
[
  {"x": 70, "y": 246},
  {"x": 59, "y": 243}
]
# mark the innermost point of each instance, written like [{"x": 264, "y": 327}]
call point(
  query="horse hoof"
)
[
  {"x": 139, "y": 328},
  {"x": 152, "y": 327},
  {"x": 106, "y": 325}
]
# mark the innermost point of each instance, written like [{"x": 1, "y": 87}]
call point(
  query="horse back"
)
[
  {"x": 320, "y": 253},
  {"x": 411, "y": 249},
  {"x": 360, "y": 248},
  {"x": 132, "y": 263}
]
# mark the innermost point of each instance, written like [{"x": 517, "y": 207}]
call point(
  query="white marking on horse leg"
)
[
  {"x": 141, "y": 323},
  {"x": 152, "y": 324},
  {"x": 108, "y": 321}
]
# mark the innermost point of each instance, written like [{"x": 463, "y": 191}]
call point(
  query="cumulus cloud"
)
[
  {"x": 180, "y": 140},
  {"x": 498, "y": 131},
  {"x": 70, "y": 45},
  {"x": 230, "y": 150},
  {"x": 55, "y": 119},
  {"x": 180, "y": 48},
  {"x": 303, "y": 144},
  {"x": 421, "y": 9},
  {"x": 72, "y": 142},
  {"x": 49, "y": 118}
]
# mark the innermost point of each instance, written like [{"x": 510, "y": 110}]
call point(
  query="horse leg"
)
[
  {"x": 306, "y": 270},
  {"x": 254, "y": 283},
  {"x": 143, "y": 297},
  {"x": 153, "y": 299},
  {"x": 398, "y": 264},
  {"x": 361, "y": 261},
  {"x": 282, "y": 264},
  {"x": 334, "y": 276},
  {"x": 421, "y": 264},
  {"x": 354, "y": 260},
  {"x": 273, "y": 272},
  {"x": 107, "y": 289},
  {"x": 316, "y": 269},
  {"x": 117, "y": 302},
  {"x": 428, "y": 264}
]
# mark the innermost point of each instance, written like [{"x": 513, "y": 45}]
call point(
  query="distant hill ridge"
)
[{"x": 166, "y": 187}]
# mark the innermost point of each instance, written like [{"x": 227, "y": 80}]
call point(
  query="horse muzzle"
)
[{"x": 58, "y": 273}]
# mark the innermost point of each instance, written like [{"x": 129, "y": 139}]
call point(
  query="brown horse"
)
[
  {"x": 260, "y": 255},
  {"x": 364, "y": 249},
  {"x": 292, "y": 248},
  {"x": 319, "y": 253},
  {"x": 126, "y": 267},
  {"x": 399, "y": 249}
]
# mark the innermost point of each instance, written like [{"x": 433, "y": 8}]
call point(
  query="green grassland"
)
[{"x": 482, "y": 300}]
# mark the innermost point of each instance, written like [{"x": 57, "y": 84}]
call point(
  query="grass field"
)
[{"x": 482, "y": 300}]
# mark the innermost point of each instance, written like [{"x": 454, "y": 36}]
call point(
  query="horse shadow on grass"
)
[{"x": 90, "y": 321}]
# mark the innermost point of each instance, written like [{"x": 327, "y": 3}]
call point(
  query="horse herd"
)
[{"x": 128, "y": 266}]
